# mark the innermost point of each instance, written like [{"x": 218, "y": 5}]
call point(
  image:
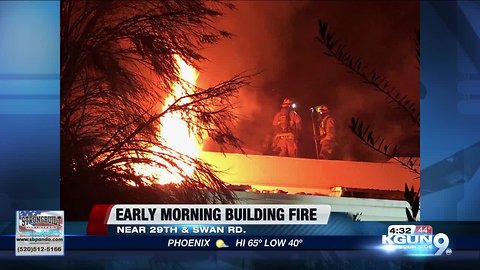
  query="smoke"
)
[
  {"x": 278, "y": 38},
  {"x": 258, "y": 46}
]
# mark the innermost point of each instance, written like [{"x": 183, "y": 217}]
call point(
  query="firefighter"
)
[
  {"x": 287, "y": 125},
  {"x": 328, "y": 133}
]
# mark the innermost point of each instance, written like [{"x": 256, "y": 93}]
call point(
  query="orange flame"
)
[{"x": 174, "y": 131}]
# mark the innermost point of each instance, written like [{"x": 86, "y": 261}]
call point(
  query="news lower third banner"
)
[{"x": 250, "y": 227}]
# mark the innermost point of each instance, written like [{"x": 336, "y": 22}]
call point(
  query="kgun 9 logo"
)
[{"x": 410, "y": 242}]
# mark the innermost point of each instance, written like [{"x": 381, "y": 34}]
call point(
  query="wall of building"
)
[
  {"x": 367, "y": 209},
  {"x": 309, "y": 175}
]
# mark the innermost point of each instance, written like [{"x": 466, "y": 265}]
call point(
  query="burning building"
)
[{"x": 373, "y": 189}]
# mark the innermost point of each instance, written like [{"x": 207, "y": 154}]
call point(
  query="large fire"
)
[{"x": 174, "y": 132}]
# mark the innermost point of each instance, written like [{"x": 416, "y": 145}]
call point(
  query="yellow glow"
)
[{"x": 174, "y": 131}]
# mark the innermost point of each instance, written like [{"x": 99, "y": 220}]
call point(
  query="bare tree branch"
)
[
  {"x": 356, "y": 66},
  {"x": 366, "y": 135}
]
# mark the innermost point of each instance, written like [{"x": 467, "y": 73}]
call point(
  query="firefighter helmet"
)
[
  {"x": 322, "y": 109},
  {"x": 286, "y": 103}
]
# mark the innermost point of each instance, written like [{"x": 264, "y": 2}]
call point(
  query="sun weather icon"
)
[{"x": 221, "y": 244}]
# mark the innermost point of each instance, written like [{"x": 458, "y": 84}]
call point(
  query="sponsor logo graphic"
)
[{"x": 39, "y": 233}]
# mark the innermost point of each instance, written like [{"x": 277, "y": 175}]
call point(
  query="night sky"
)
[{"x": 279, "y": 39}]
